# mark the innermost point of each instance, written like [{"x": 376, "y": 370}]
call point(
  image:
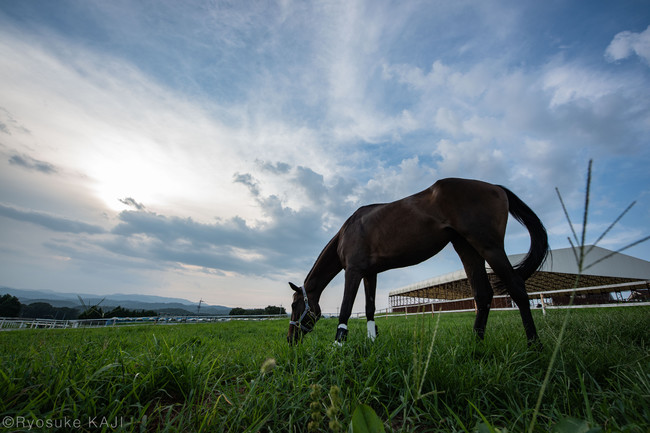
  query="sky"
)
[{"x": 210, "y": 149}]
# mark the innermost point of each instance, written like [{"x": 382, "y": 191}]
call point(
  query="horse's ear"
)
[{"x": 294, "y": 287}]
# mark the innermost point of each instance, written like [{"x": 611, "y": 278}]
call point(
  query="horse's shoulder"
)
[
  {"x": 364, "y": 210},
  {"x": 454, "y": 181}
]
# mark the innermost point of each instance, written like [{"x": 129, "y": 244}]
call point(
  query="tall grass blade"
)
[
  {"x": 583, "y": 389},
  {"x": 585, "y": 217},
  {"x": 580, "y": 259},
  {"x": 611, "y": 226},
  {"x": 426, "y": 364},
  {"x": 618, "y": 251},
  {"x": 566, "y": 215},
  {"x": 580, "y": 255}
]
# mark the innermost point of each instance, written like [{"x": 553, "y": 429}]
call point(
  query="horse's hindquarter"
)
[
  {"x": 472, "y": 208},
  {"x": 461, "y": 205}
]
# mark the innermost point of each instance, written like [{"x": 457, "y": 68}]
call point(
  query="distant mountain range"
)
[{"x": 161, "y": 304}]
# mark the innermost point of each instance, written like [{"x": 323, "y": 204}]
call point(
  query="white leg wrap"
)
[
  {"x": 372, "y": 330},
  {"x": 340, "y": 343}
]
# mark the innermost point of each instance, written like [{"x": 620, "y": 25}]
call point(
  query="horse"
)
[{"x": 469, "y": 214}]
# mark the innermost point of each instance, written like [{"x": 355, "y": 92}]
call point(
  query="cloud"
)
[
  {"x": 275, "y": 168},
  {"x": 225, "y": 246},
  {"x": 32, "y": 164},
  {"x": 8, "y": 124},
  {"x": 247, "y": 180},
  {"x": 568, "y": 83},
  {"x": 285, "y": 240},
  {"x": 626, "y": 44},
  {"x": 312, "y": 183},
  {"x": 51, "y": 222},
  {"x": 132, "y": 203}
]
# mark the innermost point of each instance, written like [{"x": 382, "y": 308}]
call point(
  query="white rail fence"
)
[
  {"x": 538, "y": 299},
  {"x": 543, "y": 300},
  {"x": 387, "y": 312},
  {"x": 13, "y": 323}
]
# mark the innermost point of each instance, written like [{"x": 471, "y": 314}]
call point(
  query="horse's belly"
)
[{"x": 409, "y": 249}]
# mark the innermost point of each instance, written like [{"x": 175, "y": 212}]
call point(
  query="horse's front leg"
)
[
  {"x": 370, "y": 287},
  {"x": 352, "y": 281}
]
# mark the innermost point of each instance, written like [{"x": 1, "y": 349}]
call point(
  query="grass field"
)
[{"x": 186, "y": 378}]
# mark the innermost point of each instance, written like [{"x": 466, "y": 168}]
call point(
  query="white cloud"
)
[
  {"x": 394, "y": 183},
  {"x": 132, "y": 137},
  {"x": 474, "y": 159},
  {"x": 626, "y": 44},
  {"x": 448, "y": 121},
  {"x": 572, "y": 82},
  {"x": 101, "y": 117}
]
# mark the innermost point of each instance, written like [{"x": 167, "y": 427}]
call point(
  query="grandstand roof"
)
[{"x": 560, "y": 271}]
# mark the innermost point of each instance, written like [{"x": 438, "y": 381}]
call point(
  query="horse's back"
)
[
  {"x": 459, "y": 188},
  {"x": 448, "y": 202},
  {"x": 412, "y": 229}
]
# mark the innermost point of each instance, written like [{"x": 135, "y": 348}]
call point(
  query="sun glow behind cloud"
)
[{"x": 123, "y": 132}]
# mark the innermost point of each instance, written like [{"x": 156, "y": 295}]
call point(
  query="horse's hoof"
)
[
  {"x": 341, "y": 333},
  {"x": 535, "y": 344}
]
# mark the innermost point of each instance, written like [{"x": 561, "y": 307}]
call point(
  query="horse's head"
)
[{"x": 305, "y": 313}]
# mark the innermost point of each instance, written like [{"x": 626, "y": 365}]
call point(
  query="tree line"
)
[
  {"x": 271, "y": 309},
  {"x": 10, "y": 306}
]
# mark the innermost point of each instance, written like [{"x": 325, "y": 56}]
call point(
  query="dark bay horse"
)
[{"x": 470, "y": 214}]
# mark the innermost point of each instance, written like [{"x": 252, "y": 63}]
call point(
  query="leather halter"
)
[{"x": 299, "y": 323}]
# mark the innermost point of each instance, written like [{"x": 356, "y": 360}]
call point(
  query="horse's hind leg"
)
[
  {"x": 516, "y": 288},
  {"x": 474, "y": 266}
]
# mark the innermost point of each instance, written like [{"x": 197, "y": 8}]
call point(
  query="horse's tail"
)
[{"x": 538, "y": 237}]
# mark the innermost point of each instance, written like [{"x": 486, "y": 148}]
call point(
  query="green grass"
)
[{"x": 207, "y": 377}]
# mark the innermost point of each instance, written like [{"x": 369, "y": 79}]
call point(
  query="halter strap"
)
[{"x": 298, "y": 323}]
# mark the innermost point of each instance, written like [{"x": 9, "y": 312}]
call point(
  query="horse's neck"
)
[
  {"x": 316, "y": 283},
  {"x": 327, "y": 266}
]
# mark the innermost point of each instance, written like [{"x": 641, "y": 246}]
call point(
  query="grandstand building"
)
[{"x": 607, "y": 277}]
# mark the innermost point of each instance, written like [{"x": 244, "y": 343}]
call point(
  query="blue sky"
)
[{"x": 209, "y": 150}]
